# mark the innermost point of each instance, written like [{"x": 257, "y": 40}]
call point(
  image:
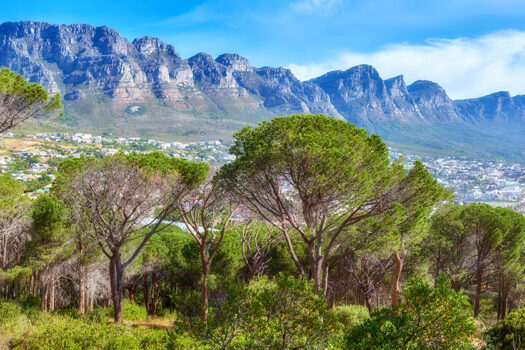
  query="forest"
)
[{"x": 312, "y": 238}]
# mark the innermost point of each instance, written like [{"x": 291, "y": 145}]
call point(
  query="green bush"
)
[
  {"x": 508, "y": 333},
  {"x": 9, "y": 312},
  {"x": 132, "y": 312},
  {"x": 30, "y": 302},
  {"x": 100, "y": 314},
  {"x": 63, "y": 332},
  {"x": 427, "y": 318},
  {"x": 351, "y": 315},
  {"x": 280, "y": 313},
  {"x": 29, "y": 328}
]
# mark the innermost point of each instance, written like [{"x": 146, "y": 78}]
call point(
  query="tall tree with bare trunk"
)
[
  {"x": 319, "y": 177},
  {"x": 126, "y": 198},
  {"x": 207, "y": 212}
]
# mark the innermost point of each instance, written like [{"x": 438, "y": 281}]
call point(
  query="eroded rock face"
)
[
  {"x": 81, "y": 60},
  {"x": 433, "y": 101},
  {"x": 73, "y": 59},
  {"x": 235, "y": 62},
  {"x": 361, "y": 96},
  {"x": 498, "y": 107}
]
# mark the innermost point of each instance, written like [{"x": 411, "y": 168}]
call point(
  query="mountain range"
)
[{"x": 145, "y": 88}]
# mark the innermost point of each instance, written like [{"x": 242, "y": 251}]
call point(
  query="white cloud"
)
[
  {"x": 465, "y": 67},
  {"x": 317, "y": 7}
]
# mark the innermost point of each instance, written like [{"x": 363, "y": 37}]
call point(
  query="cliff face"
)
[
  {"x": 102, "y": 75},
  {"x": 432, "y": 101},
  {"x": 498, "y": 108},
  {"x": 361, "y": 96},
  {"x": 80, "y": 59}
]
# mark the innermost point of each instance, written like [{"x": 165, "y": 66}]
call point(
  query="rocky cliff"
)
[
  {"x": 75, "y": 59},
  {"x": 103, "y": 76}
]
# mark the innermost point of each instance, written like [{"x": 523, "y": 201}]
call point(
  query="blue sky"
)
[{"x": 460, "y": 44}]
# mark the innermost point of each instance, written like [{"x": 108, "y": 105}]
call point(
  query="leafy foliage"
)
[
  {"x": 509, "y": 333},
  {"x": 22, "y": 100},
  {"x": 350, "y": 315},
  {"x": 427, "y": 318}
]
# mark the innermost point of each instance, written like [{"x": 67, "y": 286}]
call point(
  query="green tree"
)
[
  {"x": 508, "y": 265},
  {"x": 486, "y": 228},
  {"x": 449, "y": 246},
  {"x": 14, "y": 220},
  {"x": 206, "y": 213},
  {"x": 318, "y": 177},
  {"x": 123, "y": 196},
  {"x": 49, "y": 245},
  {"x": 426, "y": 318},
  {"x": 22, "y": 100}
]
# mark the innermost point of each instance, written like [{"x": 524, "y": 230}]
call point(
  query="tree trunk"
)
[
  {"x": 326, "y": 271},
  {"x": 4, "y": 255},
  {"x": 43, "y": 297},
  {"x": 395, "y": 278},
  {"x": 131, "y": 292},
  {"x": 438, "y": 264},
  {"x": 500, "y": 297},
  {"x": 116, "y": 274},
  {"x": 479, "y": 276},
  {"x": 204, "y": 290},
  {"x": 32, "y": 284},
  {"x": 504, "y": 304},
  {"x": 51, "y": 296},
  {"x": 368, "y": 304},
  {"x": 291, "y": 250},
  {"x": 503, "y": 296},
  {"x": 146, "y": 293},
  {"x": 172, "y": 292},
  {"x": 316, "y": 266},
  {"x": 82, "y": 307},
  {"x": 153, "y": 297}
]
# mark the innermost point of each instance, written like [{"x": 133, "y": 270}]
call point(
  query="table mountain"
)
[{"x": 146, "y": 88}]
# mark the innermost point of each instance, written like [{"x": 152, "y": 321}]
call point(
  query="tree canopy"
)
[
  {"x": 20, "y": 100},
  {"x": 319, "y": 177}
]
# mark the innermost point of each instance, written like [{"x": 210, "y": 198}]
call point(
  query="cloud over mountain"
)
[{"x": 465, "y": 67}]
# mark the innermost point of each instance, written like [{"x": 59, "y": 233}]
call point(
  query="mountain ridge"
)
[{"x": 102, "y": 75}]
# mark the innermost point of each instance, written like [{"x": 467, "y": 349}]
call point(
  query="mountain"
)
[{"x": 145, "y": 88}]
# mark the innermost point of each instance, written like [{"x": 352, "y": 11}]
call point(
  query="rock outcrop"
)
[{"x": 101, "y": 75}]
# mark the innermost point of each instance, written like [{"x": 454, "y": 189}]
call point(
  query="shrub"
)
[
  {"x": 100, "y": 314},
  {"x": 9, "y": 312},
  {"x": 279, "y": 313},
  {"x": 63, "y": 332},
  {"x": 287, "y": 313},
  {"x": 132, "y": 312},
  {"x": 508, "y": 333},
  {"x": 30, "y": 302},
  {"x": 351, "y": 315},
  {"x": 427, "y": 318}
]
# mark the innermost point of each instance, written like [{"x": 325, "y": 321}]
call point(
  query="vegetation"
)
[
  {"x": 427, "y": 318},
  {"x": 310, "y": 239},
  {"x": 509, "y": 333},
  {"x": 22, "y": 100}
]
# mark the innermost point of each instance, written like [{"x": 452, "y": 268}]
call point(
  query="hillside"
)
[{"x": 144, "y": 88}]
